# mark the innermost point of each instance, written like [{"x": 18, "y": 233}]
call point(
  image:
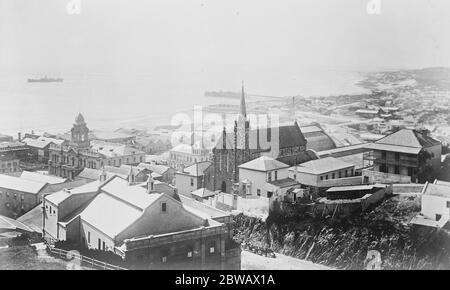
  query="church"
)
[
  {"x": 285, "y": 143},
  {"x": 69, "y": 160}
]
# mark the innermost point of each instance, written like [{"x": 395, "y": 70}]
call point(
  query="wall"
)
[
  {"x": 258, "y": 179},
  {"x": 380, "y": 177},
  {"x": 153, "y": 221},
  {"x": 51, "y": 219},
  {"x": 432, "y": 205},
  {"x": 183, "y": 183},
  {"x": 259, "y": 206},
  {"x": 86, "y": 228},
  {"x": 19, "y": 202}
]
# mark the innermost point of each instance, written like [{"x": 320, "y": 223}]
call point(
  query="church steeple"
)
[{"x": 243, "y": 109}]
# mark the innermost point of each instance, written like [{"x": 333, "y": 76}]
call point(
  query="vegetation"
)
[{"x": 344, "y": 243}]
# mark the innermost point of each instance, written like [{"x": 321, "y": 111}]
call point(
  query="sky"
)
[{"x": 131, "y": 36}]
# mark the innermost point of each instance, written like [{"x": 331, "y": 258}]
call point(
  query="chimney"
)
[
  {"x": 150, "y": 184},
  {"x": 19, "y": 136},
  {"x": 103, "y": 175}
]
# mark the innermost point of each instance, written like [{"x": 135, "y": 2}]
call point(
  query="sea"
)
[{"x": 111, "y": 100}]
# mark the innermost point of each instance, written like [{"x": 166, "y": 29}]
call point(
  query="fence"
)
[{"x": 68, "y": 255}]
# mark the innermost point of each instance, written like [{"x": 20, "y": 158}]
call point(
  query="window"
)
[
  {"x": 99, "y": 244},
  {"x": 340, "y": 174},
  {"x": 276, "y": 175},
  {"x": 448, "y": 204},
  {"x": 103, "y": 246},
  {"x": 212, "y": 247},
  {"x": 397, "y": 156},
  {"x": 192, "y": 181},
  {"x": 164, "y": 207},
  {"x": 397, "y": 169},
  {"x": 164, "y": 256},
  {"x": 326, "y": 177},
  {"x": 89, "y": 237},
  {"x": 269, "y": 194},
  {"x": 383, "y": 154},
  {"x": 190, "y": 252},
  {"x": 269, "y": 177},
  {"x": 333, "y": 176},
  {"x": 258, "y": 192}
]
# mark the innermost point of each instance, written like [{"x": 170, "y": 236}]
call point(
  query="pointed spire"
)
[{"x": 243, "y": 109}]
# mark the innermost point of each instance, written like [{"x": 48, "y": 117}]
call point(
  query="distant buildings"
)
[
  {"x": 184, "y": 155},
  {"x": 148, "y": 230},
  {"x": 317, "y": 139},
  {"x": 40, "y": 147},
  {"x": 401, "y": 156},
  {"x": 9, "y": 164},
  {"x": 68, "y": 160},
  {"x": 5, "y": 138},
  {"x": 167, "y": 173}
]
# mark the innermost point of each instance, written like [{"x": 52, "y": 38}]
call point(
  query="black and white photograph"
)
[{"x": 224, "y": 136}]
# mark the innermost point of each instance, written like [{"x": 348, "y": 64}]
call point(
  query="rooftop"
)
[
  {"x": 110, "y": 149},
  {"x": 20, "y": 184},
  {"x": 264, "y": 163},
  {"x": 203, "y": 193},
  {"x": 439, "y": 190},
  {"x": 322, "y": 165},
  {"x": 197, "y": 169},
  {"x": 408, "y": 138},
  {"x": 42, "y": 142},
  {"x": 59, "y": 196},
  {"x": 39, "y": 177}
]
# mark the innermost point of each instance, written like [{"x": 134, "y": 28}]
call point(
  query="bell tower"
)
[{"x": 80, "y": 133}]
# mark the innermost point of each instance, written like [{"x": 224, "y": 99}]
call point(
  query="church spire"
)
[{"x": 243, "y": 109}]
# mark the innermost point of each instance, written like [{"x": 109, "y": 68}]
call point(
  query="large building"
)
[
  {"x": 286, "y": 144},
  {"x": 149, "y": 230},
  {"x": 69, "y": 160},
  {"x": 402, "y": 155}
]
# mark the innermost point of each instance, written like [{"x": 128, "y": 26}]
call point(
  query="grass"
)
[{"x": 27, "y": 258}]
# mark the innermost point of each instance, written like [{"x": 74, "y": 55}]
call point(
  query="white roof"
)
[
  {"x": 57, "y": 197},
  {"x": 41, "y": 141},
  {"x": 118, "y": 206},
  {"x": 322, "y": 165},
  {"x": 19, "y": 184},
  {"x": 109, "y": 149},
  {"x": 264, "y": 163},
  {"x": 440, "y": 190},
  {"x": 134, "y": 195},
  {"x": 34, "y": 176}
]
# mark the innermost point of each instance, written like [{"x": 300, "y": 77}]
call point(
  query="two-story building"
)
[
  {"x": 400, "y": 156},
  {"x": 192, "y": 178},
  {"x": 265, "y": 177}
]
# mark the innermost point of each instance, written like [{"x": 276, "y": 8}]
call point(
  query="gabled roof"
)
[
  {"x": 288, "y": 136},
  {"x": 160, "y": 169},
  {"x": 19, "y": 184},
  {"x": 117, "y": 206},
  {"x": 264, "y": 163},
  {"x": 322, "y": 165},
  {"x": 39, "y": 177},
  {"x": 58, "y": 197},
  {"x": 8, "y": 224}
]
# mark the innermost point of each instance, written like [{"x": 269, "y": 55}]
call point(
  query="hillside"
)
[{"x": 344, "y": 243}]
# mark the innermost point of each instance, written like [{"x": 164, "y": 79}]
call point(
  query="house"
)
[
  {"x": 317, "y": 139},
  {"x": 266, "y": 177},
  {"x": 18, "y": 195},
  {"x": 9, "y": 164},
  {"x": 192, "y": 178},
  {"x": 401, "y": 156},
  {"x": 149, "y": 230},
  {"x": 352, "y": 154},
  {"x": 184, "y": 155},
  {"x": 40, "y": 147},
  {"x": 435, "y": 205},
  {"x": 167, "y": 173},
  {"x": 5, "y": 138},
  {"x": 325, "y": 172}
]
